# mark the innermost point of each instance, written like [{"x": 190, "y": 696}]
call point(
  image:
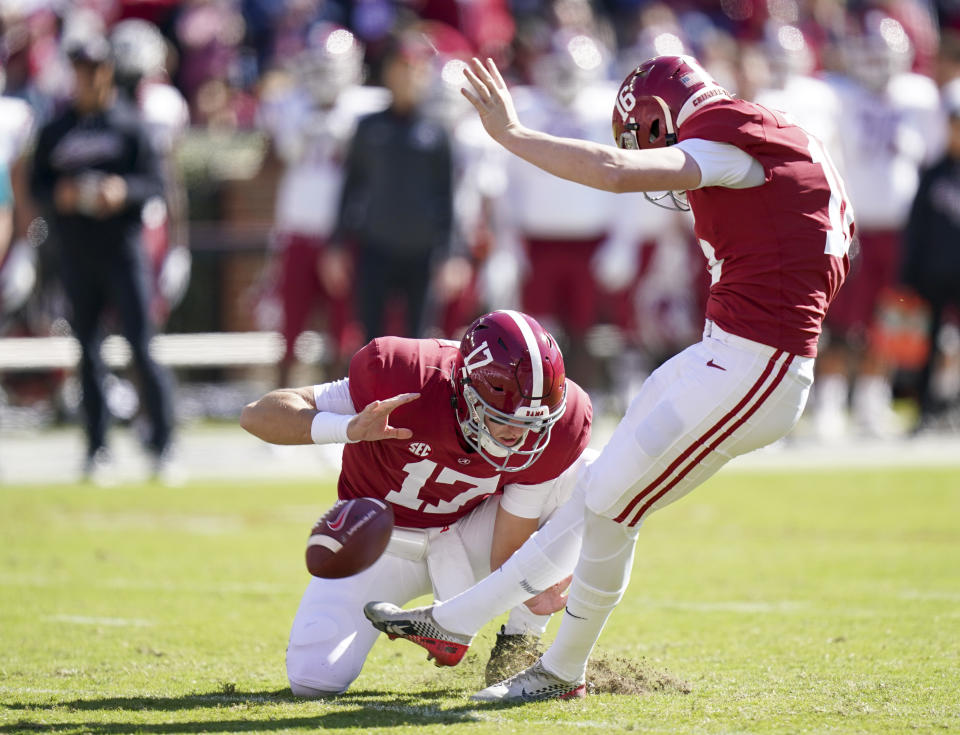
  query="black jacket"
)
[
  {"x": 114, "y": 141},
  {"x": 398, "y": 191}
]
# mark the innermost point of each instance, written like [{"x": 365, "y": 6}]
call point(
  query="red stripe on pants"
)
[
  {"x": 703, "y": 438},
  {"x": 736, "y": 425}
]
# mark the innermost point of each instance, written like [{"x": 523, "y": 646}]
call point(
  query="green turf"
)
[{"x": 826, "y": 601}]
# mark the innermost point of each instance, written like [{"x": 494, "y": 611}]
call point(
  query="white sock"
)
[
  {"x": 524, "y": 622},
  {"x": 599, "y": 581},
  {"x": 547, "y": 557}
]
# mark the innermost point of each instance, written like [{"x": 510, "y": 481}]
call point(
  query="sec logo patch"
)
[{"x": 420, "y": 449}]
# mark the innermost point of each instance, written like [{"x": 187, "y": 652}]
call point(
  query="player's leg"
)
[
  {"x": 744, "y": 400},
  {"x": 298, "y": 292},
  {"x": 83, "y": 285},
  {"x": 545, "y": 559},
  {"x": 329, "y": 638},
  {"x": 129, "y": 279}
]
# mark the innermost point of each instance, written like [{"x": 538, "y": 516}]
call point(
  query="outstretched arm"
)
[
  {"x": 592, "y": 164},
  {"x": 286, "y": 416}
]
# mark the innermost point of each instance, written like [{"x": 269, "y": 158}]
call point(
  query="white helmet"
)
[{"x": 332, "y": 61}]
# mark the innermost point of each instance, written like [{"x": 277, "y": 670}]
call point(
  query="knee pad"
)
[{"x": 326, "y": 651}]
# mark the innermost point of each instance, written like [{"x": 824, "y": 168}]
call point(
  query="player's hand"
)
[
  {"x": 551, "y": 600},
  {"x": 111, "y": 196},
  {"x": 488, "y": 93},
  {"x": 373, "y": 422}
]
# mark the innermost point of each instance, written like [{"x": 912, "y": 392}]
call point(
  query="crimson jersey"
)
[
  {"x": 778, "y": 251},
  {"x": 434, "y": 478}
]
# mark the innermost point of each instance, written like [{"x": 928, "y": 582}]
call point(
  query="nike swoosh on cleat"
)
[{"x": 712, "y": 364}]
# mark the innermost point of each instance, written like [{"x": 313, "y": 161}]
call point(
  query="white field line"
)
[
  {"x": 241, "y": 588},
  {"x": 90, "y": 620}
]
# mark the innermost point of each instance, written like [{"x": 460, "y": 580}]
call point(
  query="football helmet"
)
[
  {"x": 787, "y": 52},
  {"x": 512, "y": 375},
  {"x": 654, "y": 100},
  {"x": 332, "y": 61},
  {"x": 570, "y": 64},
  {"x": 139, "y": 51},
  {"x": 874, "y": 48}
]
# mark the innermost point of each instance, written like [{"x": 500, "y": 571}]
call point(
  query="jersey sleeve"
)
[
  {"x": 364, "y": 367},
  {"x": 723, "y": 164},
  {"x": 386, "y": 367},
  {"x": 528, "y": 501},
  {"x": 334, "y": 397}
]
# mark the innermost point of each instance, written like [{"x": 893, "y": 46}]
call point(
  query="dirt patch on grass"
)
[
  {"x": 606, "y": 674},
  {"x": 618, "y": 675}
]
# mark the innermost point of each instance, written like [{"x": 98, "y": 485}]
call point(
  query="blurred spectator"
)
[
  {"x": 570, "y": 244},
  {"x": 778, "y": 73},
  {"x": 931, "y": 264},
  {"x": 397, "y": 199},
  {"x": 17, "y": 252},
  {"x": 310, "y": 123},
  {"x": 94, "y": 170},
  {"x": 891, "y": 127},
  {"x": 140, "y": 56}
]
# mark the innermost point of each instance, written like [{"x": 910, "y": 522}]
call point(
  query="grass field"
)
[{"x": 789, "y": 603}]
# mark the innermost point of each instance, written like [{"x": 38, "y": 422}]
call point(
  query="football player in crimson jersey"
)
[
  {"x": 775, "y": 226},
  {"x": 473, "y": 445}
]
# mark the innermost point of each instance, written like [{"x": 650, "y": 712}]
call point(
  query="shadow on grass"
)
[{"x": 363, "y": 708}]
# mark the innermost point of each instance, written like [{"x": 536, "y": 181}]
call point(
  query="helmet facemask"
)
[
  {"x": 536, "y": 424},
  {"x": 512, "y": 376}
]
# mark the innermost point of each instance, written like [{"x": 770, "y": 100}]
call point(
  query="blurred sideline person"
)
[
  {"x": 396, "y": 206},
  {"x": 18, "y": 257},
  {"x": 931, "y": 260},
  {"x": 892, "y": 127},
  {"x": 94, "y": 169},
  {"x": 310, "y": 125},
  {"x": 775, "y": 226},
  {"x": 140, "y": 57},
  {"x": 567, "y": 238},
  {"x": 473, "y": 445}
]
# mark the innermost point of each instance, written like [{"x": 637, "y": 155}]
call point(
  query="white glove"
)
[
  {"x": 175, "y": 274},
  {"x": 18, "y": 276}
]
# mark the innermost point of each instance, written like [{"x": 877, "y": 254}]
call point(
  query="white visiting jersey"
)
[
  {"x": 312, "y": 143},
  {"x": 813, "y": 104},
  {"x": 885, "y": 139},
  {"x": 545, "y": 206},
  {"x": 16, "y": 128}
]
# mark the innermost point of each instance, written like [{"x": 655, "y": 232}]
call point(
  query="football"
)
[{"x": 349, "y": 537}]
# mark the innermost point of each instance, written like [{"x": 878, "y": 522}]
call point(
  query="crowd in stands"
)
[{"x": 621, "y": 281}]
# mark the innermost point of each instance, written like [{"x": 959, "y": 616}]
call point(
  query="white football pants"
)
[
  {"x": 330, "y": 637},
  {"x": 719, "y": 398}
]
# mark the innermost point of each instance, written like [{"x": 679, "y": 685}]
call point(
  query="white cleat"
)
[{"x": 532, "y": 685}]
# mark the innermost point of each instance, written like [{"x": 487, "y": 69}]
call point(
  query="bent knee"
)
[{"x": 309, "y": 691}]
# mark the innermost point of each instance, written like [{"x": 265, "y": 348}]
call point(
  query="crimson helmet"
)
[
  {"x": 513, "y": 375},
  {"x": 656, "y": 98}
]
